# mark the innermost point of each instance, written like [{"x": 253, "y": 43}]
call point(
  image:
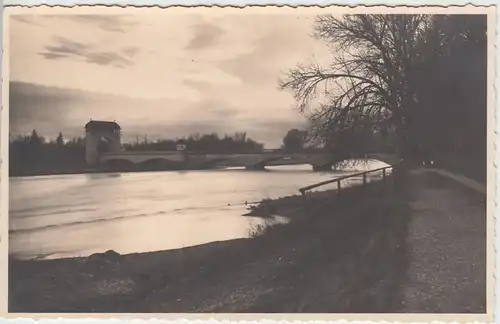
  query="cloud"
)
[
  {"x": 200, "y": 86},
  {"x": 131, "y": 51},
  {"x": 53, "y": 56},
  {"x": 205, "y": 35},
  {"x": 27, "y": 19},
  {"x": 269, "y": 53},
  {"x": 50, "y": 110},
  {"x": 206, "y": 74},
  {"x": 213, "y": 109},
  {"x": 65, "y": 48},
  {"x": 109, "y": 23},
  {"x": 32, "y": 106},
  {"x": 107, "y": 58}
]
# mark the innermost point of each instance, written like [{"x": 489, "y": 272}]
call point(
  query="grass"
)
[{"x": 342, "y": 257}]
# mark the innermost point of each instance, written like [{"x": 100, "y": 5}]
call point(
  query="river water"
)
[{"x": 77, "y": 215}]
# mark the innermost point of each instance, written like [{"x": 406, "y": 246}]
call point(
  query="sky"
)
[{"x": 163, "y": 75}]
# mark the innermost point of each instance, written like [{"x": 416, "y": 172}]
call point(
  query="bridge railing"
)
[{"x": 339, "y": 180}]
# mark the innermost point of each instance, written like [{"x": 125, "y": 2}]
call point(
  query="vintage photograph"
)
[{"x": 250, "y": 160}]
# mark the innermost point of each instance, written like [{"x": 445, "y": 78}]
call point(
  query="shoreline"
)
[{"x": 160, "y": 281}]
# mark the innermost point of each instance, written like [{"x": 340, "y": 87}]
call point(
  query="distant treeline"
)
[
  {"x": 35, "y": 155},
  {"x": 208, "y": 143}
]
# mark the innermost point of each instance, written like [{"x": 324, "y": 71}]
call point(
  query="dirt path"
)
[{"x": 446, "y": 245}]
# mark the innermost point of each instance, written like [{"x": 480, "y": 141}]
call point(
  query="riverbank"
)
[{"x": 335, "y": 255}]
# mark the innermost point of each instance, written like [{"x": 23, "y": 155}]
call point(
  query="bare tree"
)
[{"x": 369, "y": 82}]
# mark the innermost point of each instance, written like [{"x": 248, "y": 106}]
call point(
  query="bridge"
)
[
  {"x": 251, "y": 161},
  {"x": 168, "y": 160}
]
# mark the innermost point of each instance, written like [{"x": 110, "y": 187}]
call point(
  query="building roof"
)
[{"x": 102, "y": 125}]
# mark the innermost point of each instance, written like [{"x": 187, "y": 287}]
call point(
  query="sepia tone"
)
[{"x": 241, "y": 161}]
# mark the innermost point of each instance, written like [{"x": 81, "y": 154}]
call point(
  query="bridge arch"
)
[
  {"x": 101, "y": 137},
  {"x": 157, "y": 164},
  {"x": 213, "y": 162},
  {"x": 261, "y": 165},
  {"x": 359, "y": 159}
]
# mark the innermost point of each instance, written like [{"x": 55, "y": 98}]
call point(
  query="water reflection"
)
[{"x": 102, "y": 175}]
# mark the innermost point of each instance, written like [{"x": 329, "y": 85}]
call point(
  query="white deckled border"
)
[{"x": 492, "y": 158}]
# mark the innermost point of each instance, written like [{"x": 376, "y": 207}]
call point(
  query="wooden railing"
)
[{"x": 338, "y": 180}]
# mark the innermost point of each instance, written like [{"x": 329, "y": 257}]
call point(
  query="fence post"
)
[
  {"x": 338, "y": 187},
  {"x": 364, "y": 178},
  {"x": 383, "y": 176}
]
